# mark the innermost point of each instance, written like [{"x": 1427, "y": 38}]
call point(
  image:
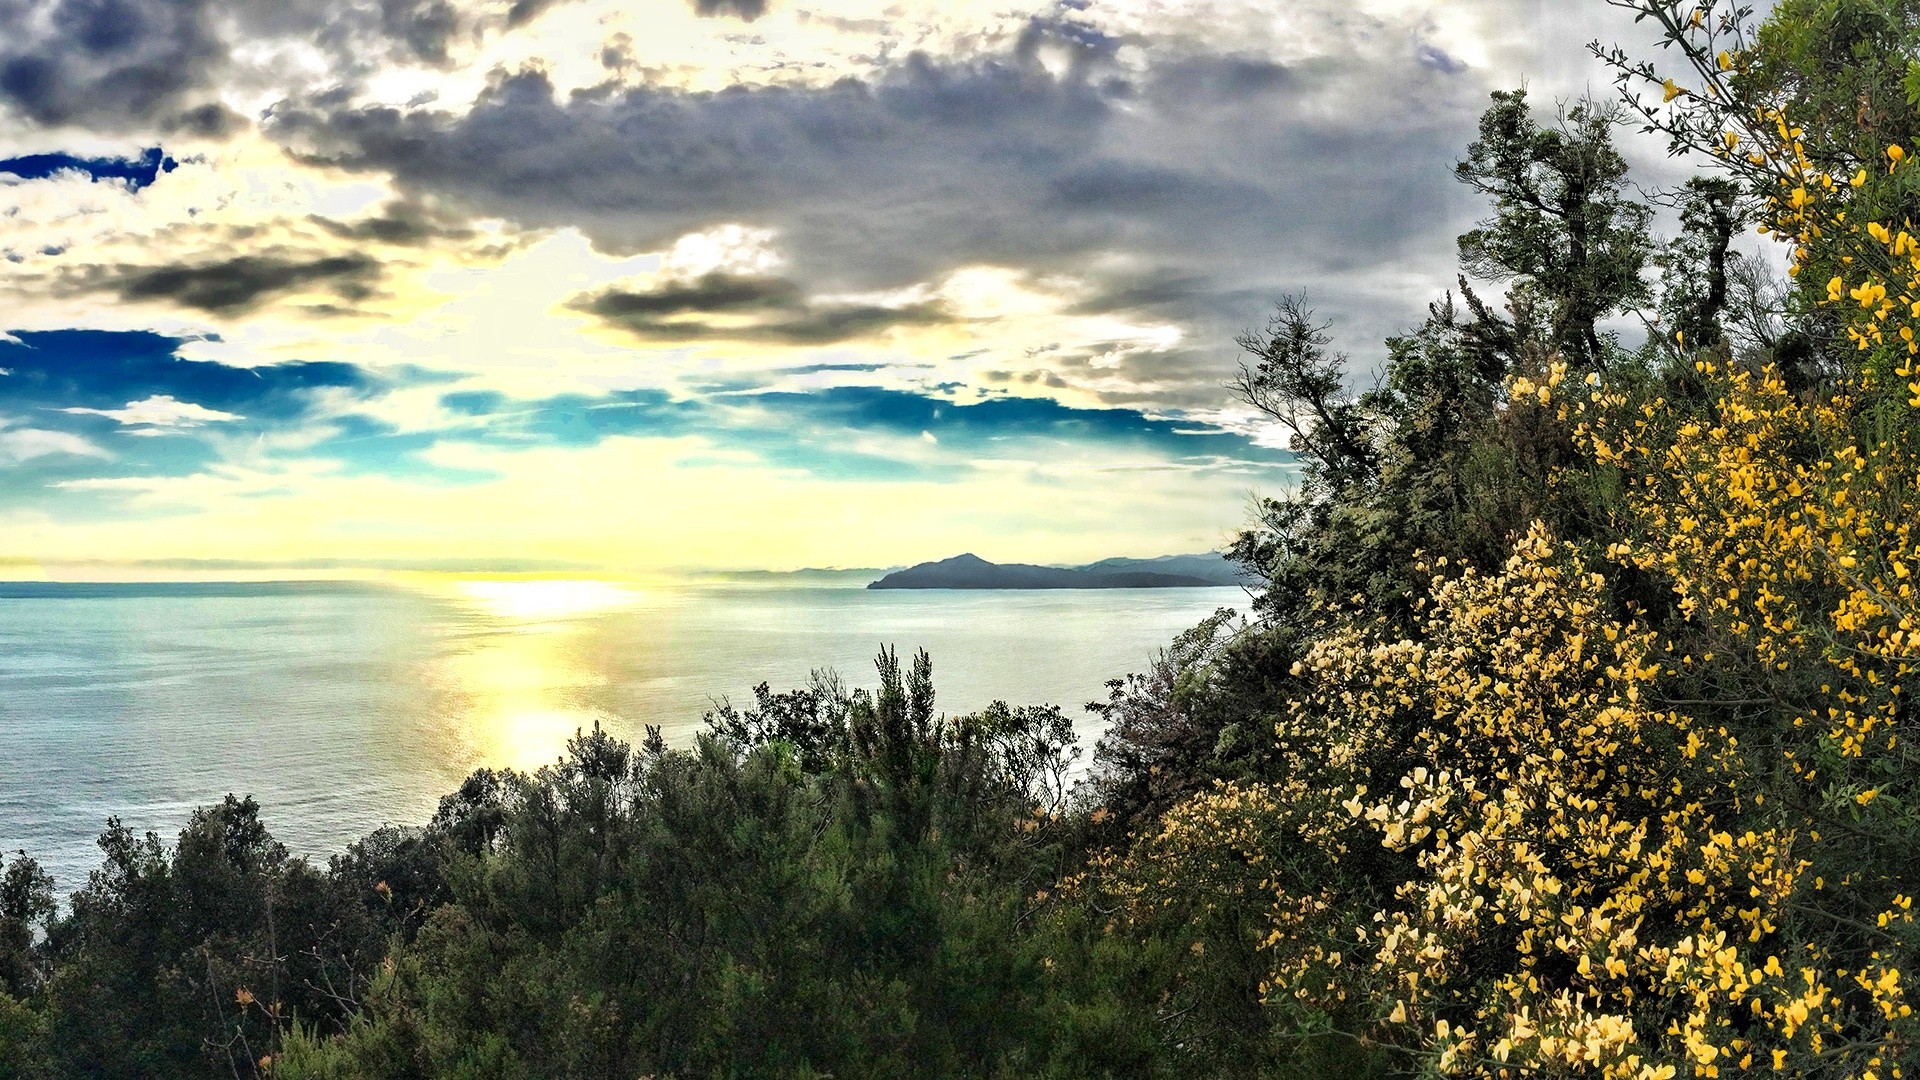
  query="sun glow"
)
[
  {"x": 520, "y": 679},
  {"x": 525, "y": 693},
  {"x": 540, "y": 600}
]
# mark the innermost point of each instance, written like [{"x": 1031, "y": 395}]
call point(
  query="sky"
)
[{"x": 650, "y": 287}]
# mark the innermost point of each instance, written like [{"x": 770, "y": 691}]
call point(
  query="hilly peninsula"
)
[{"x": 972, "y": 572}]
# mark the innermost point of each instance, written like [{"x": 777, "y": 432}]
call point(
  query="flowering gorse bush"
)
[{"x": 1568, "y": 873}]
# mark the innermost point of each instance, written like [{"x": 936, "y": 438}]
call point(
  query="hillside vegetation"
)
[{"x": 1570, "y": 733}]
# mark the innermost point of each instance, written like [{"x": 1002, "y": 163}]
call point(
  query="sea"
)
[{"x": 342, "y": 706}]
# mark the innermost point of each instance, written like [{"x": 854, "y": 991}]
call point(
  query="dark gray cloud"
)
[
  {"x": 714, "y": 292},
  {"x": 401, "y": 223},
  {"x": 746, "y": 10},
  {"x": 110, "y": 62},
  {"x": 1194, "y": 189},
  {"x": 158, "y": 65},
  {"x": 426, "y": 26},
  {"x": 765, "y": 309},
  {"x": 210, "y": 121},
  {"x": 525, "y": 11},
  {"x": 931, "y": 151},
  {"x": 240, "y": 283}
]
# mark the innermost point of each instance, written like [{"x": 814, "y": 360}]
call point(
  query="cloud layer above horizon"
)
[{"x": 699, "y": 283}]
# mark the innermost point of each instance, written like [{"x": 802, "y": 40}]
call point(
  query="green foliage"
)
[
  {"x": 1563, "y": 230},
  {"x": 1698, "y": 264},
  {"x": 26, "y": 910},
  {"x": 830, "y": 883},
  {"x": 1451, "y": 472},
  {"x": 1844, "y": 69},
  {"x": 180, "y": 960},
  {"x": 23, "y": 1034}
]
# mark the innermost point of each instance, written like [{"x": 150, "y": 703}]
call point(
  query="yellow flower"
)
[{"x": 1672, "y": 89}]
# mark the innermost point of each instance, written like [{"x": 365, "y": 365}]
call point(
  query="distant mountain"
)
[
  {"x": 973, "y": 572},
  {"x": 1214, "y": 567},
  {"x": 811, "y": 576}
]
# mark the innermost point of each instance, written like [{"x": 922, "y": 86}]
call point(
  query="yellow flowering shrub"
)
[
  {"x": 1577, "y": 874},
  {"x": 1496, "y": 842}
]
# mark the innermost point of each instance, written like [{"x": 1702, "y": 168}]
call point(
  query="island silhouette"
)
[{"x": 970, "y": 571}]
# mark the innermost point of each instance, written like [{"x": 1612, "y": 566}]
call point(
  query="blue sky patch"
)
[
  {"x": 77, "y": 405},
  {"x": 85, "y": 404},
  {"x": 138, "y": 172}
]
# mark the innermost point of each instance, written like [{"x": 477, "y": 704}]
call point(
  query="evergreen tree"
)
[{"x": 1564, "y": 230}]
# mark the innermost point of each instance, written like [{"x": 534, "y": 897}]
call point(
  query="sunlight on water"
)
[
  {"x": 536, "y": 600},
  {"x": 524, "y": 688}
]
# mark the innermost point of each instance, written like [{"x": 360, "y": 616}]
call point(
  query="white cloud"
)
[
  {"x": 18, "y": 444},
  {"x": 161, "y": 414},
  {"x": 731, "y": 249}
]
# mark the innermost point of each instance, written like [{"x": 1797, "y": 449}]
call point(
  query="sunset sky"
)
[{"x": 554, "y": 285}]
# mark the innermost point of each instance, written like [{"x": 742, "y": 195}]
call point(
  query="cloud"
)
[
  {"x": 640, "y": 167},
  {"x": 402, "y": 223},
  {"x": 862, "y": 431},
  {"x": 241, "y": 283},
  {"x": 773, "y": 310},
  {"x": 525, "y": 11},
  {"x": 1188, "y": 186},
  {"x": 212, "y": 120},
  {"x": 1037, "y": 425},
  {"x": 113, "y": 387},
  {"x": 426, "y": 26},
  {"x": 19, "y": 444},
  {"x": 160, "y": 414},
  {"x": 168, "y": 65},
  {"x": 106, "y": 62},
  {"x": 744, "y": 10},
  {"x": 115, "y": 391}
]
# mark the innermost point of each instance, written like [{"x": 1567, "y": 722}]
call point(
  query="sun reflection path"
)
[
  {"x": 524, "y": 674},
  {"x": 535, "y": 599}
]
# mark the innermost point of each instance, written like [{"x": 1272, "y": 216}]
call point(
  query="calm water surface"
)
[{"x": 344, "y": 706}]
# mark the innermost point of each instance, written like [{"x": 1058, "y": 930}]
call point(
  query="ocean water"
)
[{"x": 345, "y": 706}]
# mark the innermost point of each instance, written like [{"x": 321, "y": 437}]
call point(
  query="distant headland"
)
[{"x": 972, "y": 572}]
